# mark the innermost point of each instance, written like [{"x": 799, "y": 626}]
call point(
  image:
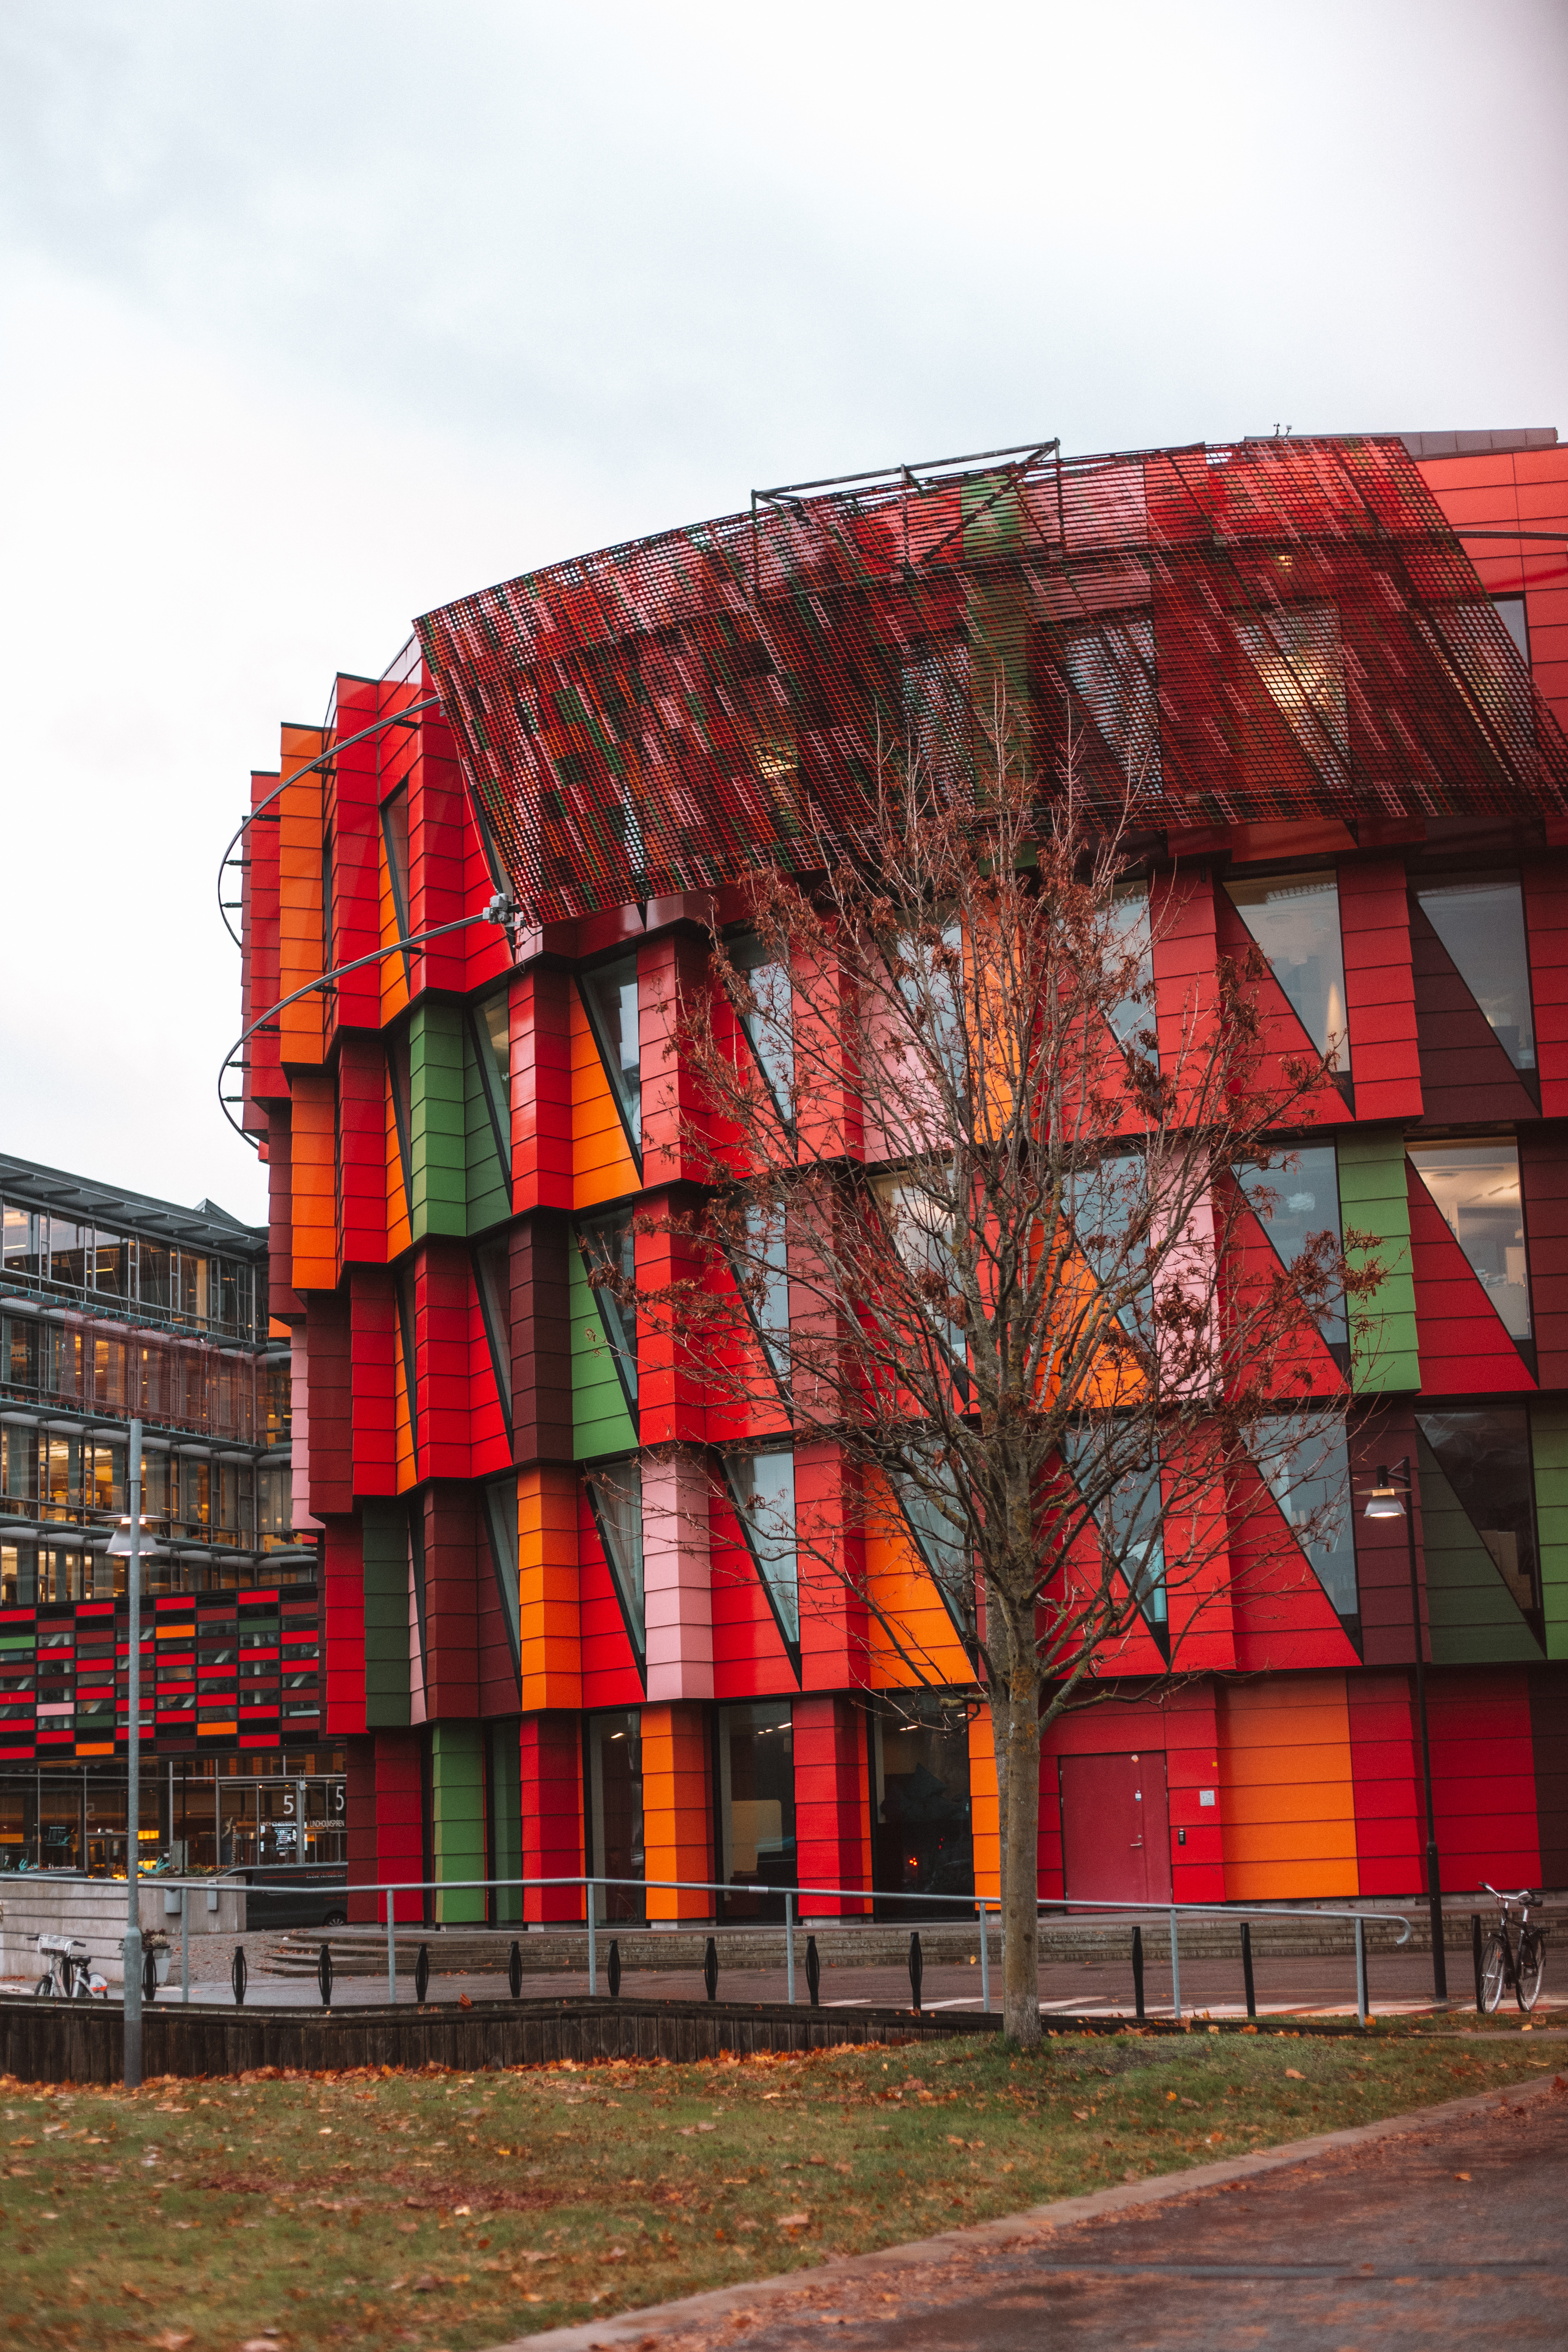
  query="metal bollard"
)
[
  {"x": 184, "y": 1943},
  {"x": 1476, "y": 1957},
  {"x": 324, "y": 1974},
  {"x": 614, "y": 1971},
  {"x": 1138, "y": 1972},
  {"x": 514, "y": 1969},
  {"x": 150, "y": 1978},
  {"x": 985, "y": 1964},
  {"x": 710, "y": 1969},
  {"x": 1175, "y": 1972},
  {"x": 422, "y": 1974},
  {"x": 812, "y": 1973},
  {"x": 1246, "y": 1968},
  {"x": 593, "y": 1948},
  {"x": 391, "y": 1950},
  {"x": 789, "y": 1949},
  {"x": 1360, "y": 1970},
  {"x": 917, "y": 1969},
  {"x": 237, "y": 1973}
]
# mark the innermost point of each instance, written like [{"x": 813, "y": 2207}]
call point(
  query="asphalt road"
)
[{"x": 1444, "y": 2232}]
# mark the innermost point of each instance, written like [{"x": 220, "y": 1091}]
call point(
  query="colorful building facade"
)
[
  {"x": 114, "y": 1307},
  {"x": 1338, "y": 673}
]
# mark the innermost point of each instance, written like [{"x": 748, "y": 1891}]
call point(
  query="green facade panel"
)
[
  {"x": 1473, "y": 1617},
  {"x": 457, "y": 1817},
  {"x": 384, "y": 1544},
  {"x": 437, "y": 1121},
  {"x": 1374, "y": 1198},
  {"x": 506, "y": 1820},
  {"x": 1549, "y": 1439},
  {"x": 489, "y": 1194},
  {"x": 600, "y": 1421}
]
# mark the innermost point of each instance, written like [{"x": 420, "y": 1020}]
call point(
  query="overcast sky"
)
[{"x": 318, "y": 312}]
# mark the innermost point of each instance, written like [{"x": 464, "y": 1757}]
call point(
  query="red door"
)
[{"x": 1116, "y": 1829}]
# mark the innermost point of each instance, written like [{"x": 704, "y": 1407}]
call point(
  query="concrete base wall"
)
[{"x": 94, "y": 1909}]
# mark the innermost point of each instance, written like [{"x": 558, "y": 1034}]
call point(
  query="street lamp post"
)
[
  {"x": 127, "y": 1544},
  {"x": 1385, "y": 1503}
]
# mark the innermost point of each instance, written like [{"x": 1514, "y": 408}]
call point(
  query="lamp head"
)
[
  {"x": 120, "y": 1542},
  {"x": 1383, "y": 1503}
]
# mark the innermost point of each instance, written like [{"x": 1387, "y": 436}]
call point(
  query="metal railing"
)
[{"x": 978, "y": 1907}]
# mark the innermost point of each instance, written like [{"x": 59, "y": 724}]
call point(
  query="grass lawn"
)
[{"x": 453, "y": 2211}]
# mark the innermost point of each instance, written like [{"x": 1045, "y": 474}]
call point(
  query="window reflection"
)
[
  {"x": 756, "y": 1806},
  {"x": 1298, "y": 1197},
  {"x": 1476, "y": 1187},
  {"x": 610, "y": 994},
  {"x": 1131, "y": 937},
  {"x": 771, "y": 1026},
  {"x": 609, "y": 1250},
  {"x": 1484, "y": 1456},
  {"x": 1480, "y": 921},
  {"x": 1296, "y": 923},
  {"x": 762, "y": 1487},
  {"x": 615, "y": 1812},
  {"x": 1308, "y": 1470},
  {"x": 615, "y": 1493}
]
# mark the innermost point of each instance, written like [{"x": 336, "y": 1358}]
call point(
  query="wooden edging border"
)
[{"x": 1039, "y": 2222}]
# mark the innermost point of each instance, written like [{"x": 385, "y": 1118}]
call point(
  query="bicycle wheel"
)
[
  {"x": 1531, "y": 1970},
  {"x": 1494, "y": 1971},
  {"x": 44, "y": 1989}
]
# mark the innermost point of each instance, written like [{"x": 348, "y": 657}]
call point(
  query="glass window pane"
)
[
  {"x": 1476, "y": 1186},
  {"x": 771, "y": 1026},
  {"x": 19, "y": 1240},
  {"x": 616, "y": 1493},
  {"x": 610, "y": 994},
  {"x": 1480, "y": 921},
  {"x": 1296, "y": 923},
  {"x": 766, "y": 1271},
  {"x": 1308, "y": 1470},
  {"x": 925, "y": 1842},
  {"x": 609, "y": 1245},
  {"x": 930, "y": 1507},
  {"x": 68, "y": 1247},
  {"x": 1130, "y": 936},
  {"x": 616, "y": 1811},
  {"x": 763, "y": 1488},
  {"x": 1299, "y": 1196},
  {"x": 756, "y": 1806},
  {"x": 496, "y": 1024},
  {"x": 1484, "y": 1456},
  {"x": 394, "y": 832},
  {"x": 1112, "y": 667},
  {"x": 1510, "y": 612}
]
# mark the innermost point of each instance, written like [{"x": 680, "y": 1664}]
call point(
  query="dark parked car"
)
[{"x": 294, "y": 1895}]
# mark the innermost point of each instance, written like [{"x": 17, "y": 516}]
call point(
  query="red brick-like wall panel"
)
[
  {"x": 452, "y": 1538},
  {"x": 1463, "y": 1342},
  {"x": 1543, "y": 1181},
  {"x": 400, "y": 1820},
  {"x": 284, "y": 1301},
  {"x": 541, "y": 1339},
  {"x": 1380, "y": 989},
  {"x": 1385, "y": 1768},
  {"x": 1465, "y": 1074},
  {"x": 1383, "y": 1569},
  {"x": 329, "y": 1341},
  {"x": 362, "y": 1150},
  {"x": 551, "y": 1757},
  {"x": 831, "y": 1803},
  {"x": 360, "y": 1827},
  {"x": 1545, "y": 884},
  {"x": 542, "y": 1090},
  {"x": 1483, "y": 1777},
  {"x": 343, "y": 1616},
  {"x": 442, "y": 1357},
  {"x": 374, "y": 1319}
]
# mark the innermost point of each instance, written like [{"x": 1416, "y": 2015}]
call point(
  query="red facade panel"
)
[
  {"x": 549, "y": 1750},
  {"x": 372, "y": 1307},
  {"x": 1464, "y": 1345},
  {"x": 452, "y": 1562},
  {"x": 831, "y": 1803},
  {"x": 1380, "y": 992},
  {"x": 343, "y": 1616}
]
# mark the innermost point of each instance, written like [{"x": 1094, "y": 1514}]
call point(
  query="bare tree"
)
[{"x": 938, "y": 1116}]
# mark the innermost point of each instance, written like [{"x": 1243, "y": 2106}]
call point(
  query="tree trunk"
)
[{"x": 1020, "y": 1881}]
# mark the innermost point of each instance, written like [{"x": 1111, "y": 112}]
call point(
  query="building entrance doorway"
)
[{"x": 1116, "y": 1829}]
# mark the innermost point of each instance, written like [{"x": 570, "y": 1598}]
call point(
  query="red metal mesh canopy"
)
[{"x": 1276, "y": 630}]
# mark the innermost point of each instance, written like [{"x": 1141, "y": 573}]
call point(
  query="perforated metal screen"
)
[{"x": 1276, "y": 630}]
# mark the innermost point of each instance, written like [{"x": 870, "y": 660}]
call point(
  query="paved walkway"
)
[{"x": 1440, "y": 2229}]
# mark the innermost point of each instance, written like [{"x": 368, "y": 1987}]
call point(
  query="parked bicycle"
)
[
  {"x": 1503, "y": 1964},
  {"x": 71, "y": 1976}
]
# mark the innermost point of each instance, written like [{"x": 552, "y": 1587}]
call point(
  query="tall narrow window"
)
[
  {"x": 616, "y": 1813},
  {"x": 1112, "y": 667},
  {"x": 770, "y": 1025},
  {"x": 1129, "y": 1515},
  {"x": 765, "y": 1274},
  {"x": 500, "y": 1525},
  {"x": 1131, "y": 937},
  {"x": 1511, "y": 614},
  {"x": 1105, "y": 1204},
  {"x": 405, "y": 1334},
  {"x": 609, "y": 1251},
  {"x": 931, "y": 1508},
  {"x": 762, "y": 1487},
  {"x": 610, "y": 994},
  {"x": 1480, "y": 921},
  {"x": 400, "y": 1074},
  {"x": 1476, "y": 1186},
  {"x": 756, "y": 1807},
  {"x": 920, "y": 1222},
  {"x": 615, "y": 1492},
  {"x": 1293, "y": 1202},
  {"x": 1296, "y": 923},
  {"x": 1308, "y": 1471},
  {"x": 394, "y": 833},
  {"x": 491, "y": 1023},
  {"x": 492, "y": 1275}
]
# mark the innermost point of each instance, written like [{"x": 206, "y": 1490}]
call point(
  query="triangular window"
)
[
  {"x": 492, "y": 1276},
  {"x": 610, "y": 995},
  {"x": 1307, "y": 1470},
  {"x": 1104, "y": 1204},
  {"x": 491, "y": 1022},
  {"x": 1480, "y": 921},
  {"x": 935, "y": 1523},
  {"x": 770, "y": 1027},
  {"x": 615, "y": 1493},
  {"x": 1296, "y": 923},
  {"x": 400, "y": 1074},
  {"x": 1477, "y": 1191},
  {"x": 763, "y": 1270},
  {"x": 394, "y": 835},
  {"x": 763, "y": 1488},
  {"x": 500, "y": 1527},
  {"x": 609, "y": 1253},
  {"x": 1484, "y": 1454},
  {"x": 1296, "y": 1198},
  {"x": 1130, "y": 1518},
  {"x": 1133, "y": 1015}
]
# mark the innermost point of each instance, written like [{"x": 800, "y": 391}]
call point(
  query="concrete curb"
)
[{"x": 1036, "y": 2222}]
